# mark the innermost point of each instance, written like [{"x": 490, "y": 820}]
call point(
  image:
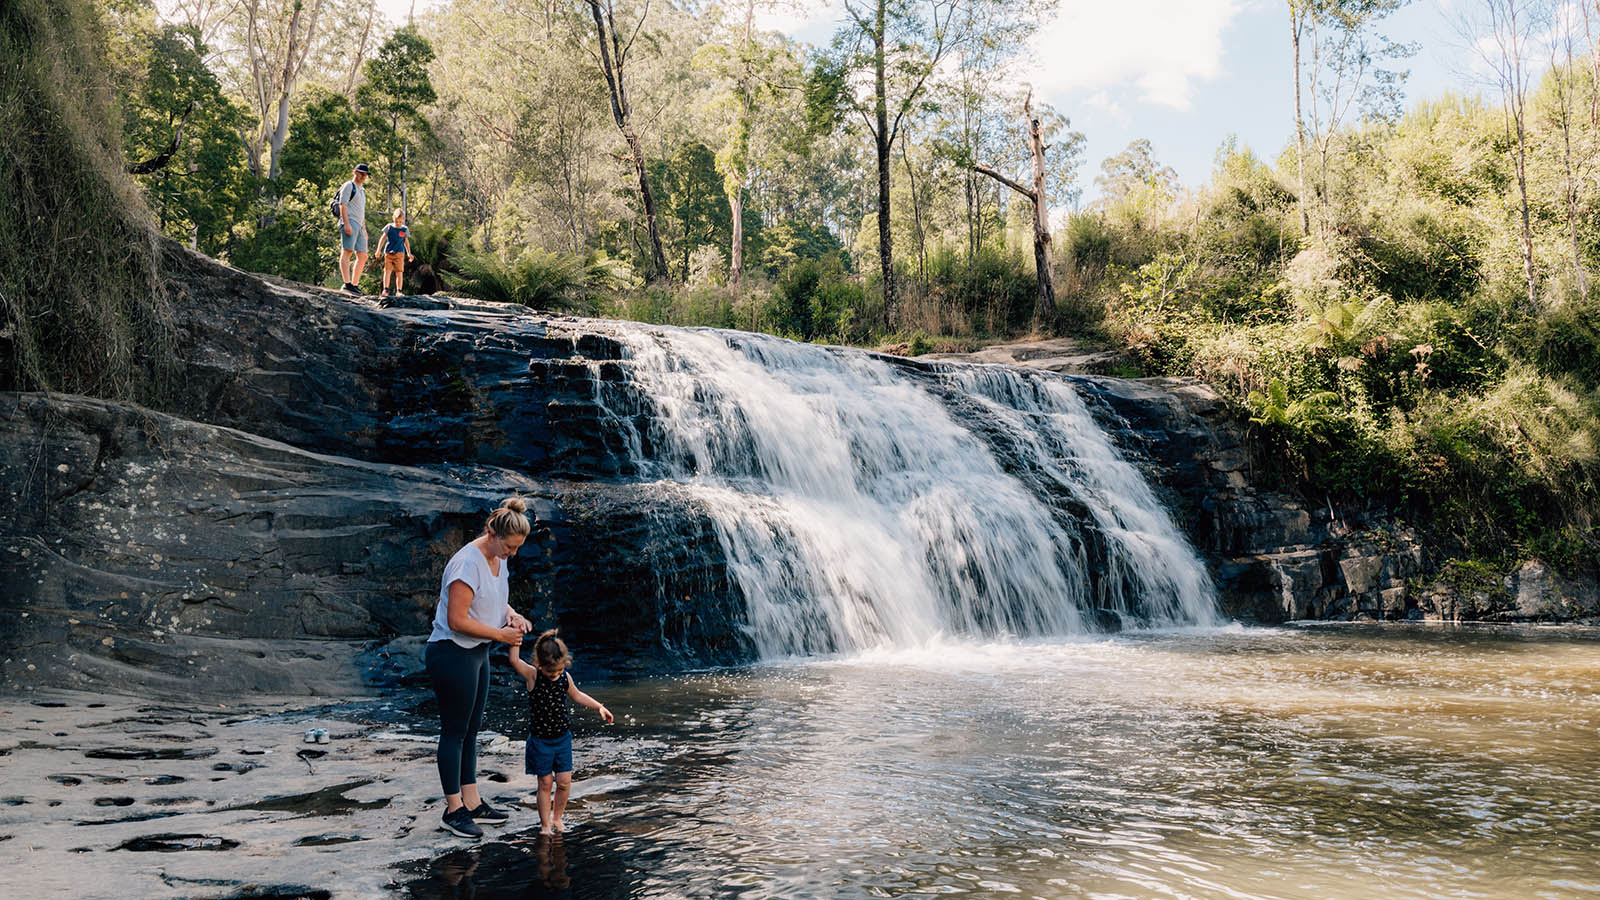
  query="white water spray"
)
[{"x": 855, "y": 511}]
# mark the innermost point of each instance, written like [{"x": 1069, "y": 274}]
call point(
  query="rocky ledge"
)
[{"x": 316, "y": 457}]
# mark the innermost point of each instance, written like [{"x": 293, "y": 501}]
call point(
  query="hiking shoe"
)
[
  {"x": 488, "y": 815},
  {"x": 352, "y": 289},
  {"x": 460, "y": 824}
]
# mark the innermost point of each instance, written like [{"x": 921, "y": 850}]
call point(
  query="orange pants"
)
[{"x": 394, "y": 262}]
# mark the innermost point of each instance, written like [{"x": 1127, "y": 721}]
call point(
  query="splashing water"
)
[{"x": 861, "y": 506}]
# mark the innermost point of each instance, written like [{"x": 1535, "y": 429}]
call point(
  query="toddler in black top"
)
[{"x": 549, "y": 753}]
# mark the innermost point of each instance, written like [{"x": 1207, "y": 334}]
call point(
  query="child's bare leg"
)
[
  {"x": 558, "y": 803},
  {"x": 544, "y": 803}
]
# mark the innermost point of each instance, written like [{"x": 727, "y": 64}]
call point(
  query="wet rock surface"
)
[
  {"x": 160, "y": 555},
  {"x": 179, "y": 827},
  {"x": 279, "y": 527}
]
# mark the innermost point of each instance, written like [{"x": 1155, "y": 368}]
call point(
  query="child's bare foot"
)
[
  {"x": 561, "y": 827},
  {"x": 544, "y": 831}
]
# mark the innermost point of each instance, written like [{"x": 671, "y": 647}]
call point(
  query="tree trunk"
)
[
  {"x": 916, "y": 216},
  {"x": 736, "y": 195},
  {"x": 736, "y": 252},
  {"x": 361, "y": 52},
  {"x": 293, "y": 58},
  {"x": 1036, "y": 195},
  {"x": 612, "y": 60},
  {"x": 1564, "y": 95},
  {"x": 882, "y": 143},
  {"x": 1295, "y": 19},
  {"x": 1041, "y": 218},
  {"x": 1527, "y": 227}
]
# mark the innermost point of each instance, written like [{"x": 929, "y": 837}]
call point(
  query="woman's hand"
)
[
  {"x": 605, "y": 714},
  {"x": 510, "y": 634}
]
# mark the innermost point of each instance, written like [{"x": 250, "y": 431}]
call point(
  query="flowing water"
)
[
  {"x": 1319, "y": 763},
  {"x": 861, "y": 505},
  {"x": 925, "y": 554}
]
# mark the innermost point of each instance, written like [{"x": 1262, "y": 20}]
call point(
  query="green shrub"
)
[{"x": 543, "y": 280}]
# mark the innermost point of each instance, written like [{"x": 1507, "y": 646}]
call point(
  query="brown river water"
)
[{"x": 1319, "y": 763}]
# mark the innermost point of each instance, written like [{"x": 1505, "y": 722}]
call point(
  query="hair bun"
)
[{"x": 515, "y": 504}]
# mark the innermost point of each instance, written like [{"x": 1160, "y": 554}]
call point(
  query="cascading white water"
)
[{"x": 855, "y": 511}]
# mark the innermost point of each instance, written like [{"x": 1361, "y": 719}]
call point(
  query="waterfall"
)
[{"x": 861, "y": 504}]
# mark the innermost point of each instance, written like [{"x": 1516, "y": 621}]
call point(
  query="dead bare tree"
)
[{"x": 1041, "y": 210}]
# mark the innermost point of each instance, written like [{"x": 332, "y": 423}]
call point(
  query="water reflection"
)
[{"x": 1315, "y": 763}]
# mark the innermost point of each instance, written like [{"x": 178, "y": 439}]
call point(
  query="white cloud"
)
[{"x": 1156, "y": 48}]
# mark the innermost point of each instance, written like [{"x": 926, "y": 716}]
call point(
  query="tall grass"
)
[{"x": 84, "y": 307}]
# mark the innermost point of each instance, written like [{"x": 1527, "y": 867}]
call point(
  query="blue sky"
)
[{"x": 1184, "y": 73}]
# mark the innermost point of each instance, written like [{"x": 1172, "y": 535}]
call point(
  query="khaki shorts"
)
[{"x": 394, "y": 262}]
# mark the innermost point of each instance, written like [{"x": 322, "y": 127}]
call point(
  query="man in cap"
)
[{"x": 353, "y": 228}]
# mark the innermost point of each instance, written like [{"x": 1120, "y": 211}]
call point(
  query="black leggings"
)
[{"x": 461, "y": 683}]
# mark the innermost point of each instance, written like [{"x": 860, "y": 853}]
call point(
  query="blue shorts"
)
[
  {"x": 356, "y": 241},
  {"x": 549, "y": 756}
]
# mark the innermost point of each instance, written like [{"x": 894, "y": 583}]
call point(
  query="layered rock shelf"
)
[{"x": 317, "y": 457}]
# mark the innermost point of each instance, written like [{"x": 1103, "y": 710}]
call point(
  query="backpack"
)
[{"x": 333, "y": 206}]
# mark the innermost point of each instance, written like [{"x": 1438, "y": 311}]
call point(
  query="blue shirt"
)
[{"x": 393, "y": 239}]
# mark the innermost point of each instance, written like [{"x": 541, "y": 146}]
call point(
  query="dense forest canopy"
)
[{"x": 1400, "y": 298}]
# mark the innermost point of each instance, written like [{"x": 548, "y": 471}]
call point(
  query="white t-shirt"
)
[{"x": 491, "y": 596}]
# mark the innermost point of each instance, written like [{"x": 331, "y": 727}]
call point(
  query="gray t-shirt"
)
[
  {"x": 355, "y": 204},
  {"x": 490, "y": 596}
]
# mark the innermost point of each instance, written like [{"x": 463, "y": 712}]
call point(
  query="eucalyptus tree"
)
[
  {"x": 882, "y": 67},
  {"x": 529, "y": 165},
  {"x": 1347, "y": 77},
  {"x": 1565, "y": 81},
  {"x": 611, "y": 49},
  {"x": 1504, "y": 35},
  {"x": 757, "y": 69}
]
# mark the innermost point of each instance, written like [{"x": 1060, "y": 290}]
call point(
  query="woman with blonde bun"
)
[{"x": 474, "y": 612}]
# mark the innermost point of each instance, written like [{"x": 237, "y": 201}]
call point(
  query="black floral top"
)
[{"x": 548, "y": 716}]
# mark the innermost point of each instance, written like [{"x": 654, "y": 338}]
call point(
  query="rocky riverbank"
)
[
  {"x": 316, "y": 455},
  {"x": 107, "y": 796}
]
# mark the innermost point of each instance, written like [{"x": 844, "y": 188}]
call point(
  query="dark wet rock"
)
[
  {"x": 113, "y": 801},
  {"x": 173, "y": 801},
  {"x": 68, "y": 780},
  {"x": 14, "y": 801},
  {"x": 1275, "y": 556},
  {"x": 180, "y": 539},
  {"x": 50, "y": 704},
  {"x": 144, "y": 753},
  {"x": 138, "y": 817},
  {"x": 175, "y": 843},
  {"x": 163, "y": 779},
  {"x": 325, "y": 840},
  {"x": 281, "y": 892},
  {"x": 329, "y": 801}
]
